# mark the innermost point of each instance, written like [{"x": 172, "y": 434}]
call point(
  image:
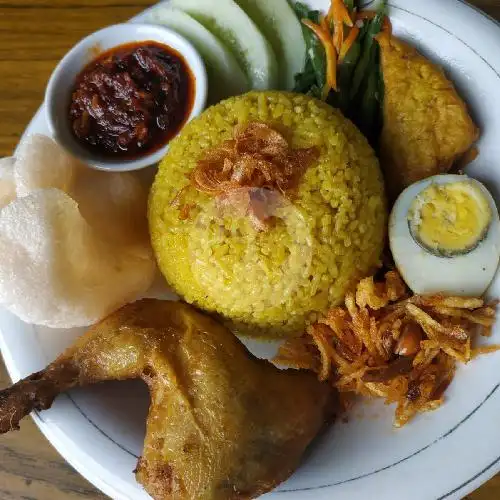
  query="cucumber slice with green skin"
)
[
  {"x": 279, "y": 24},
  {"x": 227, "y": 21},
  {"x": 225, "y": 76}
]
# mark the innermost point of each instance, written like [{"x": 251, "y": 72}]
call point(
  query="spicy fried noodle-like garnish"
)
[{"x": 385, "y": 343}]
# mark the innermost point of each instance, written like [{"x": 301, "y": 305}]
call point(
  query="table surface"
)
[{"x": 34, "y": 35}]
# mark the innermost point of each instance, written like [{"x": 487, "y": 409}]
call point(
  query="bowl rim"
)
[{"x": 128, "y": 32}]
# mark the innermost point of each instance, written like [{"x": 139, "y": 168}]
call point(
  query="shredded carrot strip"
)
[
  {"x": 325, "y": 24},
  {"x": 338, "y": 37},
  {"x": 331, "y": 11},
  {"x": 331, "y": 55},
  {"x": 348, "y": 43},
  {"x": 341, "y": 14},
  {"x": 338, "y": 13}
]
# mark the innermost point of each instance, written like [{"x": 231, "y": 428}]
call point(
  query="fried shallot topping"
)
[{"x": 257, "y": 157}]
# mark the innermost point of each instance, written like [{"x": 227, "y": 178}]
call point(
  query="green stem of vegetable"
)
[
  {"x": 301, "y": 10},
  {"x": 346, "y": 70},
  {"x": 369, "y": 105},
  {"x": 350, "y": 4},
  {"x": 380, "y": 100},
  {"x": 305, "y": 80},
  {"x": 316, "y": 92},
  {"x": 369, "y": 46},
  {"x": 315, "y": 52}
]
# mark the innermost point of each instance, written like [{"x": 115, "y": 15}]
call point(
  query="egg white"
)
[{"x": 469, "y": 274}]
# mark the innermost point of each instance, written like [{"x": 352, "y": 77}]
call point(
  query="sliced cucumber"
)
[
  {"x": 225, "y": 77},
  {"x": 279, "y": 24},
  {"x": 227, "y": 21}
]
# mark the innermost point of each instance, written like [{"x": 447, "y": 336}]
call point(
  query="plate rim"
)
[{"x": 466, "y": 487}]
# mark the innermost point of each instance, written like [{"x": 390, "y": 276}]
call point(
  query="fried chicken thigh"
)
[
  {"x": 427, "y": 126},
  {"x": 222, "y": 424}
]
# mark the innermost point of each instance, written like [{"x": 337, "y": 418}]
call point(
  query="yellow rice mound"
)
[{"x": 324, "y": 239}]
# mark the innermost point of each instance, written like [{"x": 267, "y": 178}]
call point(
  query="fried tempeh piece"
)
[
  {"x": 426, "y": 123},
  {"x": 222, "y": 424}
]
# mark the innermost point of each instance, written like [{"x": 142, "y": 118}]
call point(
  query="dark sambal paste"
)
[{"x": 132, "y": 99}]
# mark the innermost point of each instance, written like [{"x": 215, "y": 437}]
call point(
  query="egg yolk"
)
[{"x": 450, "y": 219}]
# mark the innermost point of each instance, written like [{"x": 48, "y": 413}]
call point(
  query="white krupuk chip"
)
[
  {"x": 55, "y": 269},
  {"x": 41, "y": 163},
  {"x": 114, "y": 204},
  {"x": 74, "y": 241}
]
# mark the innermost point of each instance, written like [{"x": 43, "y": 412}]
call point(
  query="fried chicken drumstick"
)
[{"x": 222, "y": 424}]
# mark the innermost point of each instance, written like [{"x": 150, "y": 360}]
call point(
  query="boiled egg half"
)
[{"x": 444, "y": 234}]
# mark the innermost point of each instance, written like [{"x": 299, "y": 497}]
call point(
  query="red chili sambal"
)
[{"x": 132, "y": 100}]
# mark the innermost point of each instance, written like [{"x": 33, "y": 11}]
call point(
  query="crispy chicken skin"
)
[
  {"x": 222, "y": 424},
  {"x": 426, "y": 123}
]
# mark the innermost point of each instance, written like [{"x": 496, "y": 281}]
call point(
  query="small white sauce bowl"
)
[{"x": 61, "y": 84}]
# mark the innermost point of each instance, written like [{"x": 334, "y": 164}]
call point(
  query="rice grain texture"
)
[{"x": 323, "y": 240}]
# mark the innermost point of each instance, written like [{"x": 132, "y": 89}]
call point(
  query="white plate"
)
[{"x": 441, "y": 455}]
